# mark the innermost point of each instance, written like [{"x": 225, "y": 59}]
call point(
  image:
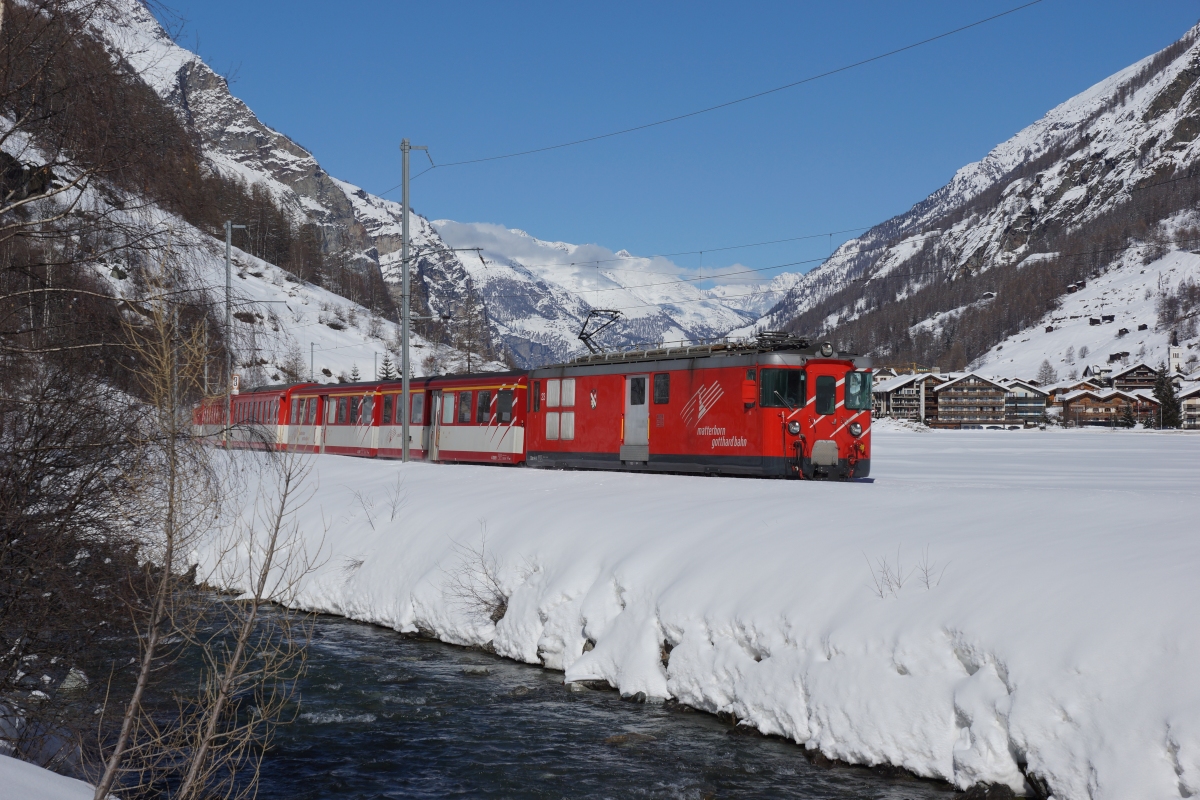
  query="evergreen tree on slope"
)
[{"x": 1164, "y": 393}]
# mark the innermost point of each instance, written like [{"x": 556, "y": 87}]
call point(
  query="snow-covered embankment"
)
[{"x": 1056, "y": 632}]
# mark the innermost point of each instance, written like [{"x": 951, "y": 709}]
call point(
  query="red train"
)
[{"x": 776, "y": 407}]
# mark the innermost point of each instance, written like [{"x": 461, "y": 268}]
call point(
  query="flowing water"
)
[{"x": 386, "y": 716}]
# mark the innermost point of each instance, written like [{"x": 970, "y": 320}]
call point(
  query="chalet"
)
[
  {"x": 1098, "y": 373},
  {"x": 1107, "y": 407},
  {"x": 1055, "y": 391},
  {"x": 882, "y": 374},
  {"x": 1189, "y": 406},
  {"x": 970, "y": 400},
  {"x": 1024, "y": 404},
  {"x": 1135, "y": 376}
]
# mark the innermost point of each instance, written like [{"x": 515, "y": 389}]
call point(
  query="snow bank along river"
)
[{"x": 1043, "y": 632}]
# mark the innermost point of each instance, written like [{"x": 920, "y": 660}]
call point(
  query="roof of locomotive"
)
[{"x": 773, "y": 342}]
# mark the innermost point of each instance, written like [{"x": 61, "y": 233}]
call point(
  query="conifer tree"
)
[
  {"x": 354, "y": 376},
  {"x": 1127, "y": 420},
  {"x": 387, "y": 370},
  {"x": 1046, "y": 373},
  {"x": 1164, "y": 393}
]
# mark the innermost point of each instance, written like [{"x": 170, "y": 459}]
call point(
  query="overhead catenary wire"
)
[{"x": 734, "y": 102}]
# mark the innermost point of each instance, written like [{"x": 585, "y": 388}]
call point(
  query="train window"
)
[
  {"x": 341, "y": 411},
  {"x": 552, "y": 425},
  {"x": 464, "y": 406},
  {"x": 826, "y": 394},
  {"x": 566, "y": 427},
  {"x": 568, "y": 393},
  {"x": 418, "y": 409},
  {"x": 312, "y": 411},
  {"x": 781, "y": 388},
  {"x": 355, "y": 405},
  {"x": 858, "y": 390},
  {"x": 447, "y": 408},
  {"x": 368, "y": 410},
  {"x": 662, "y": 388},
  {"x": 537, "y": 395},
  {"x": 637, "y": 391},
  {"x": 749, "y": 374},
  {"x": 483, "y": 410},
  {"x": 504, "y": 405},
  {"x": 552, "y": 393},
  {"x": 387, "y": 409}
]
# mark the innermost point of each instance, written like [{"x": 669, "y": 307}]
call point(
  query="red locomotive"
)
[{"x": 775, "y": 407}]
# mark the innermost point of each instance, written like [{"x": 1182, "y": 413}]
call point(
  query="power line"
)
[{"x": 738, "y": 101}]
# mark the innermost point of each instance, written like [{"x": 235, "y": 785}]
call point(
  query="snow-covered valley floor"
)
[{"x": 1046, "y": 622}]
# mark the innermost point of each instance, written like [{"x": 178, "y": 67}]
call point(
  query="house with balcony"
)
[
  {"x": 1189, "y": 406},
  {"x": 970, "y": 400},
  {"x": 1135, "y": 376},
  {"x": 1108, "y": 407},
  {"x": 1024, "y": 404}
]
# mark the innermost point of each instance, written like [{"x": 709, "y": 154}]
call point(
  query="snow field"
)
[
  {"x": 1057, "y": 633},
  {"x": 20, "y": 780}
]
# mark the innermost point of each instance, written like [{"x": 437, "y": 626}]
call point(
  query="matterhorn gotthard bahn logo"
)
[{"x": 703, "y": 401}]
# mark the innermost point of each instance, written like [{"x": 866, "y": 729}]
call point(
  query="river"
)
[{"x": 388, "y": 716}]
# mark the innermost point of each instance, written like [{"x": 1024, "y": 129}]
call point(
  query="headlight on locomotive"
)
[
  {"x": 855, "y": 429},
  {"x": 794, "y": 428}
]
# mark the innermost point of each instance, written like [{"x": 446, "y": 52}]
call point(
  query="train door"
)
[
  {"x": 636, "y": 443},
  {"x": 435, "y": 423},
  {"x": 321, "y": 429}
]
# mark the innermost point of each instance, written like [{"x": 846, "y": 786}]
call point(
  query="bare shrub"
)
[
  {"x": 927, "y": 570},
  {"x": 474, "y": 583},
  {"x": 887, "y": 578}
]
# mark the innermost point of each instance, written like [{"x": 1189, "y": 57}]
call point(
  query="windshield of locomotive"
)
[
  {"x": 858, "y": 390},
  {"x": 781, "y": 388}
]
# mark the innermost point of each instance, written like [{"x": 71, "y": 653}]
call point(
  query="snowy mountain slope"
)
[
  {"x": 1128, "y": 293},
  {"x": 355, "y": 225},
  {"x": 539, "y": 292},
  {"x": 1092, "y": 158},
  {"x": 283, "y": 329},
  {"x": 535, "y": 310}
]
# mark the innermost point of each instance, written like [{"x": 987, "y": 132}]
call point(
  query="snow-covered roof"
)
[
  {"x": 1068, "y": 385},
  {"x": 1105, "y": 395},
  {"x": 1131, "y": 368},
  {"x": 963, "y": 377},
  {"x": 892, "y": 384},
  {"x": 1189, "y": 389},
  {"x": 1012, "y": 384}
]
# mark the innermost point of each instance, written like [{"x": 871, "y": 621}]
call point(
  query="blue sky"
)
[{"x": 348, "y": 80}]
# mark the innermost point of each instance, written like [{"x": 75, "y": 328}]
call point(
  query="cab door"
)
[{"x": 635, "y": 446}]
